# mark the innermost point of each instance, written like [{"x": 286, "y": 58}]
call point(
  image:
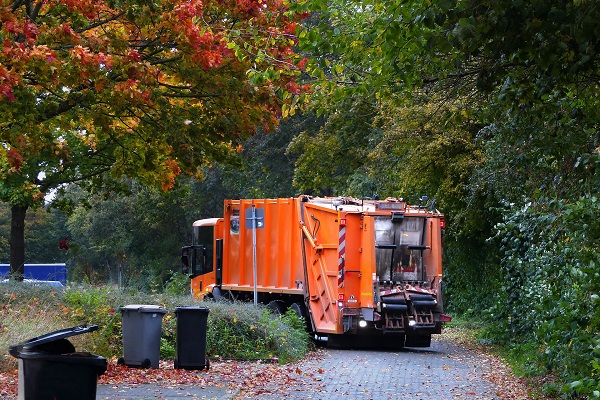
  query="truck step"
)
[
  {"x": 395, "y": 321},
  {"x": 423, "y": 317}
]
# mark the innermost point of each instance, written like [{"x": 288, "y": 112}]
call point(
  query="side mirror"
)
[{"x": 185, "y": 260}]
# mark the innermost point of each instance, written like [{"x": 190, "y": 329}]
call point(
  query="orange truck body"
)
[{"x": 352, "y": 268}]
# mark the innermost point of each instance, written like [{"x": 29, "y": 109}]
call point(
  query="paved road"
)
[{"x": 443, "y": 371}]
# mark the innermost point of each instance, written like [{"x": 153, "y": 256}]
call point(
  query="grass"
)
[
  {"x": 26, "y": 312},
  {"x": 234, "y": 330},
  {"x": 462, "y": 331}
]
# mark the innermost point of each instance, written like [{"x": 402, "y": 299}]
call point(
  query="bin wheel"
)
[
  {"x": 207, "y": 364},
  {"x": 121, "y": 361},
  {"x": 146, "y": 363},
  {"x": 175, "y": 364}
]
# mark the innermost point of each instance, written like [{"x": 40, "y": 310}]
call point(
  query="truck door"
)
[
  {"x": 202, "y": 250},
  {"x": 198, "y": 259}
]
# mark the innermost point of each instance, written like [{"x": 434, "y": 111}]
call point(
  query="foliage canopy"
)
[
  {"x": 145, "y": 89},
  {"x": 491, "y": 107},
  {"x": 92, "y": 91}
]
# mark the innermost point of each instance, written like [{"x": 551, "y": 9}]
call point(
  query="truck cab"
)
[{"x": 202, "y": 260}]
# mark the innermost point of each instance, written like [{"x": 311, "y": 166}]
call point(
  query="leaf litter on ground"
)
[{"x": 242, "y": 378}]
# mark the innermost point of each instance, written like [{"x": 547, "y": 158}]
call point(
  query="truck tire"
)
[
  {"x": 277, "y": 307},
  {"x": 418, "y": 341},
  {"x": 298, "y": 309},
  {"x": 216, "y": 293}
]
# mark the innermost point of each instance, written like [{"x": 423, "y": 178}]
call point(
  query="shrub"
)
[
  {"x": 551, "y": 288},
  {"x": 177, "y": 284},
  {"x": 235, "y": 330},
  {"x": 243, "y": 331}
]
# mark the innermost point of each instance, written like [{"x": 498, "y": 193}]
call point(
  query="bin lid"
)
[
  {"x": 149, "y": 308},
  {"x": 31, "y": 344},
  {"x": 192, "y": 308}
]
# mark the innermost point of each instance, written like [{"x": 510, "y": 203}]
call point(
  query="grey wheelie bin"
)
[
  {"x": 190, "y": 342},
  {"x": 142, "y": 328},
  {"x": 50, "y": 368}
]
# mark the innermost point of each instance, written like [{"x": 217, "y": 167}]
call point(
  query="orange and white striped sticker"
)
[{"x": 342, "y": 256}]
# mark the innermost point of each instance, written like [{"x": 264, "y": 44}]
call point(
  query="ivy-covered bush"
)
[{"x": 549, "y": 302}]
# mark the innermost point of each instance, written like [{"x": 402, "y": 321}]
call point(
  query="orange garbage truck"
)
[{"x": 363, "y": 269}]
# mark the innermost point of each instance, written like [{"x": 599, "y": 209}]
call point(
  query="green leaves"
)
[
  {"x": 480, "y": 104},
  {"x": 551, "y": 264}
]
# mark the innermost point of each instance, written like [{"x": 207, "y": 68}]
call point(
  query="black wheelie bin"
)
[
  {"x": 190, "y": 342},
  {"x": 51, "y": 369}
]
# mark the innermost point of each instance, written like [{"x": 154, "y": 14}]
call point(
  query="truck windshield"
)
[{"x": 399, "y": 249}]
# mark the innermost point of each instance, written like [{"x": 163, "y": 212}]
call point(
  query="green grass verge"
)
[{"x": 523, "y": 359}]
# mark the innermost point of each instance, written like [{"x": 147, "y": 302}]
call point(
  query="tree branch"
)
[
  {"x": 51, "y": 183},
  {"x": 36, "y": 10},
  {"x": 17, "y": 4},
  {"x": 100, "y": 22}
]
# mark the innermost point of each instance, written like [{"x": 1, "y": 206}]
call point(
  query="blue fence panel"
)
[{"x": 42, "y": 272}]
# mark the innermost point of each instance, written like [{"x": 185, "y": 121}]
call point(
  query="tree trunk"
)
[{"x": 17, "y": 242}]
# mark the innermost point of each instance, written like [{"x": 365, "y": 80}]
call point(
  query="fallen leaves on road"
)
[
  {"x": 498, "y": 372},
  {"x": 8, "y": 384},
  {"x": 246, "y": 379},
  {"x": 510, "y": 386}
]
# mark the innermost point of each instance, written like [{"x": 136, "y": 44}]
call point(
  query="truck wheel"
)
[
  {"x": 228, "y": 296},
  {"x": 276, "y": 307},
  {"x": 298, "y": 309},
  {"x": 302, "y": 313},
  {"x": 216, "y": 293}
]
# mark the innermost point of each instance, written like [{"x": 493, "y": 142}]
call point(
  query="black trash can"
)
[
  {"x": 190, "y": 344},
  {"x": 51, "y": 369},
  {"x": 142, "y": 328}
]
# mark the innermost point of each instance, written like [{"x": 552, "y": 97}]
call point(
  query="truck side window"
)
[
  {"x": 234, "y": 225},
  {"x": 203, "y": 244}
]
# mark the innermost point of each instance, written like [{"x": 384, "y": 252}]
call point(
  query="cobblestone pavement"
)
[{"x": 443, "y": 371}]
